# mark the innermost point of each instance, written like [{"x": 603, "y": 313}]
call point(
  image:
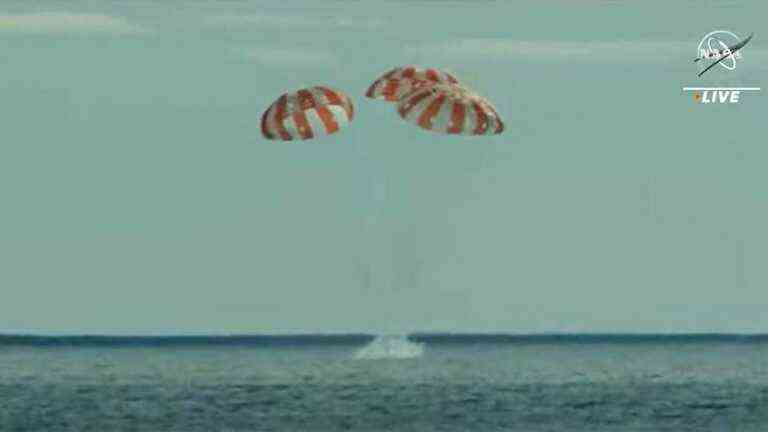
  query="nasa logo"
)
[
  {"x": 722, "y": 47},
  {"x": 719, "y": 47},
  {"x": 716, "y": 45}
]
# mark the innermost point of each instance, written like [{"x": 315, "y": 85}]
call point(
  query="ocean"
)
[{"x": 385, "y": 383}]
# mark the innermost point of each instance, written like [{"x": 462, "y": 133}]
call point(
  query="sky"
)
[{"x": 138, "y": 197}]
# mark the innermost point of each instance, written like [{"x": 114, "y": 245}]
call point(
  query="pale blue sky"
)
[{"x": 137, "y": 196}]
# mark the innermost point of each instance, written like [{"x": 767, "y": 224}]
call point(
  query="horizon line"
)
[
  {"x": 359, "y": 339},
  {"x": 4, "y": 333}
]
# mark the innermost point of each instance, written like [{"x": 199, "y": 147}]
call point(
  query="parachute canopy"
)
[
  {"x": 450, "y": 108},
  {"x": 401, "y": 80},
  {"x": 307, "y": 113}
]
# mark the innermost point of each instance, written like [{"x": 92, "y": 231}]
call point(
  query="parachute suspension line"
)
[
  {"x": 374, "y": 181},
  {"x": 365, "y": 172},
  {"x": 489, "y": 154}
]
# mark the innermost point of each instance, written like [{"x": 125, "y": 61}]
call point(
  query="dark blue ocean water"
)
[{"x": 362, "y": 383}]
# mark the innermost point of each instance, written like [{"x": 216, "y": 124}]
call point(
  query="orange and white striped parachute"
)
[
  {"x": 401, "y": 80},
  {"x": 306, "y": 114},
  {"x": 450, "y": 108}
]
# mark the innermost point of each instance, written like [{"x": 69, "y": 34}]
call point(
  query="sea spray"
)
[{"x": 390, "y": 347}]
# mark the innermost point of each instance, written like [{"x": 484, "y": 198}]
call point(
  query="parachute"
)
[
  {"x": 401, "y": 80},
  {"x": 307, "y": 113},
  {"x": 450, "y": 108},
  {"x": 430, "y": 98}
]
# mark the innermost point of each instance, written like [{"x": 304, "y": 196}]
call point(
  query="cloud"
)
[
  {"x": 294, "y": 21},
  {"x": 64, "y": 22},
  {"x": 289, "y": 56},
  {"x": 505, "y": 49}
]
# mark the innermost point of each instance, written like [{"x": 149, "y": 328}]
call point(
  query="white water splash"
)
[{"x": 390, "y": 347}]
